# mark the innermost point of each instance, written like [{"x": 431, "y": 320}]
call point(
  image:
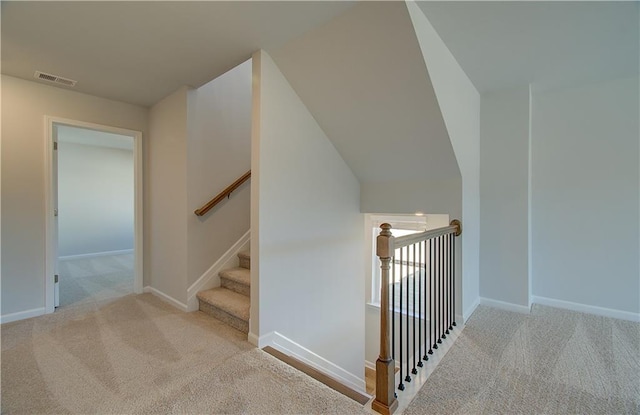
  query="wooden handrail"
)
[
  {"x": 225, "y": 193},
  {"x": 411, "y": 239}
]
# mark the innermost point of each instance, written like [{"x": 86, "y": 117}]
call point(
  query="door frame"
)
[{"x": 50, "y": 176}]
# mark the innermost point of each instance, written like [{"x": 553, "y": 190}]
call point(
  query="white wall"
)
[
  {"x": 409, "y": 197},
  {"x": 219, "y": 152},
  {"x": 460, "y": 105},
  {"x": 585, "y": 186},
  {"x": 201, "y": 144},
  {"x": 310, "y": 238},
  {"x": 166, "y": 264},
  {"x": 95, "y": 199},
  {"x": 504, "y": 191},
  {"x": 24, "y": 105}
]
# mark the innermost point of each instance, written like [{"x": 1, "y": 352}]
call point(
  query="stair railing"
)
[
  {"x": 225, "y": 193},
  {"x": 417, "y": 304}
]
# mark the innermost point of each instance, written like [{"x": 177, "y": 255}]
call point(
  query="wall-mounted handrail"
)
[{"x": 225, "y": 193}]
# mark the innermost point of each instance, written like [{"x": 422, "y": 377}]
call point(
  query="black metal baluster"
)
[
  {"x": 408, "y": 363},
  {"x": 438, "y": 300},
  {"x": 437, "y": 289},
  {"x": 401, "y": 385},
  {"x": 450, "y": 320},
  {"x": 430, "y": 297},
  {"x": 442, "y": 288},
  {"x": 414, "y": 370},
  {"x": 450, "y": 285},
  {"x": 420, "y": 306},
  {"x": 393, "y": 307},
  {"x": 425, "y": 334},
  {"x": 453, "y": 277},
  {"x": 436, "y": 336},
  {"x": 447, "y": 322}
]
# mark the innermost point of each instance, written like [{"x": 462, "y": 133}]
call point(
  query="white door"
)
[{"x": 56, "y": 278}]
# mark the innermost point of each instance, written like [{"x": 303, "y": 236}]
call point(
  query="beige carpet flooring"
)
[
  {"x": 90, "y": 280},
  {"x": 549, "y": 362},
  {"x": 137, "y": 354}
]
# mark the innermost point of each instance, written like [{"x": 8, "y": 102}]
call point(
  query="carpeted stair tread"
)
[
  {"x": 237, "y": 275},
  {"x": 228, "y": 301}
]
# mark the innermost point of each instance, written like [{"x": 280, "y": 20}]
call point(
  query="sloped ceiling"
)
[
  {"x": 363, "y": 78},
  {"x": 141, "y": 51},
  {"x": 502, "y": 44}
]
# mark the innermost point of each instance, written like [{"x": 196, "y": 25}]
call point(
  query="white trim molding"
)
[
  {"x": 210, "y": 278},
  {"x": 253, "y": 339},
  {"x": 370, "y": 365},
  {"x": 585, "y": 308},
  {"x": 96, "y": 254},
  {"x": 166, "y": 298},
  {"x": 295, "y": 350},
  {"x": 503, "y": 305},
  {"x": 21, "y": 315}
]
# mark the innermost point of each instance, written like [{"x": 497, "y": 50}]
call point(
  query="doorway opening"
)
[{"x": 94, "y": 213}]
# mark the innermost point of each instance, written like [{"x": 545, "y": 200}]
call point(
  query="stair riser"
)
[
  {"x": 235, "y": 286},
  {"x": 245, "y": 262},
  {"x": 225, "y": 317}
]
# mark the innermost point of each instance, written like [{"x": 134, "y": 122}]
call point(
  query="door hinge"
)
[
  {"x": 55, "y": 212},
  {"x": 55, "y": 145},
  {"x": 55, "y": 278}
]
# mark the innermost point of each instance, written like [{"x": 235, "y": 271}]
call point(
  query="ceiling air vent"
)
[{"x": 54, "y": 78}]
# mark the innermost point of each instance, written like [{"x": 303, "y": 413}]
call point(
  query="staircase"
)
[{"x": 230, "y": 302}]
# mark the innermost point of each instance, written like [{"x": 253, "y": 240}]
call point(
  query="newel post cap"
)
[{"x": 385, "y": 242}]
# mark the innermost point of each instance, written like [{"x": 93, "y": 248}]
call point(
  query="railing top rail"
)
[
  {"x": 407, "y": 240},
  {"x": 225, "y": 193}
]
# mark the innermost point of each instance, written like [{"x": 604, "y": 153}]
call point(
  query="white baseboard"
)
[
  {"x": 21, "y": 315},
  {"x": 210, "y": 278},
  {"x": 253, "y": 339},
  {"x": 262, "y": 341},
  {"x": 177, "y": 304},
  {"x": 589, "y": 309},
  {"x": 96, "y": 254},
  {"x": 503, "y": 305},
  {"x": 293, "y": 349},
  {"x": 467, "y": 313}
]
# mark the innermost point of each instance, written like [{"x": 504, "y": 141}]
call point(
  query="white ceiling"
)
[
  {"x": 359, "y": 69},
  {"x": 139, "y": 52},
  {"x": 549, "y": 44}
]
